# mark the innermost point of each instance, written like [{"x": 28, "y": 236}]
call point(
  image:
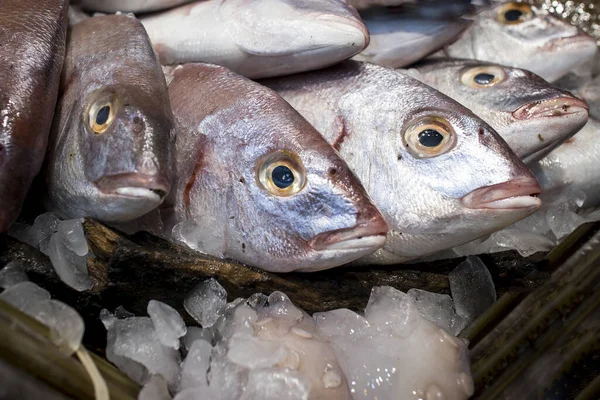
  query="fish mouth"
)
[
  {"x": 518, "y": 193},
  {"x": 552, "y": 108},
  {"x": 358, "y": 237},
  {"x": 133, "y": 185},
  {"x": 581, "y": 39}
]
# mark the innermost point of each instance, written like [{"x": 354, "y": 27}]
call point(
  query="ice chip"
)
[
  {"x": 563, "y": 220},
  {"x": 66, "y": 325},
  {"x": 197, "y": 393},
  {"x": 280, "y": 306},
  {"x": 391, "y": 311},
  {"x": 188, "y": 232},
  {"x": 205, "y": 302},
  {"x": 24, "y": 295},
  {"x": 73, "y": 236},
  {"x": 122, "y": 313},
  {"x": 257, "y": 300},
  {"x": 47, "y": 223},
  {"x": 155, "y": 389},
  {"x": 107, "y": 318},
  {"x": 225, "y": 377},
  {"x": 195, "y": 333},
  {"x": 71, "y": 268},
  {"x": 12, "y": 273},
  {"x": 341, "y": 322},
  {"x": 195, "y": 366},
  {"x": 168, "y": 324},
  {"x": 437, "y": 308},
  {"x": 276, "y": 384},
  {"x": 252, "y": 352},
  {"x": 526, "y": 243},
  {"x": 226, "y": 321},
  {"x": 472, "y": 288},
  {"x": 26, "y": 233}
]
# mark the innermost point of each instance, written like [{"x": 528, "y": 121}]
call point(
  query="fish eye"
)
[
  {"x": 429, "y": 137},
  {"x": 281, "y": 173},
  {"x": 483, "y": 76},
  {"x": 101, "y": 116},
  {"x": 514, "y": 13}
]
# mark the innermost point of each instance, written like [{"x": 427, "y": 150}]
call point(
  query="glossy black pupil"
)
[
  {"x": 102, "y": 115},
  {"x": 484, "y": 79},
  {"x": 282, "y": 176},
  {"x": 430, "y": 138},
  {"x": 513, "y": 15}
]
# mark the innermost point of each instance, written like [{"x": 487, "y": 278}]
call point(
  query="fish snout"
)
[
  {"x": 553, "y": 108},
  {"x": 369, "y": 232},
  {"x": 136, "y": 185},
  {"x": 518, "y": 193},
  {"x": 337, "y": 30}
]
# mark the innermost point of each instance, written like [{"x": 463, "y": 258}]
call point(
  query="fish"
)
[
  {"x": 32, "y": 51},
  {"x": 257, "y": 183},
  {"x": 260, "y": 38},
  {"x": 571, "y": 170},
  {"x": 439, "y": 174},
  {"x": 590, "y": 92},
  {"x": 523, "y": 36},
  {"x": 133, "y": 6},
  {"x": 400, "y": 38},
  {"x": 109, "y": 155},
  {"x": 530, "y": 114}
]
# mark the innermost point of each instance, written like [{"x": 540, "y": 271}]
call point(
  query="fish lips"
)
[
  {"x": 136, "y": 186},
  {"x": 517, "y": 194},
  {"x": 366, "y": 235}
]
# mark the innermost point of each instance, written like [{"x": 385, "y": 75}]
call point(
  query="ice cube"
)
[
  {"x": 195, "y": 366},
  {"x": 391, "y": 311},
  {"x": 472, "y": 288},
  {"x": 107, "y": 318},
  {"x": 70, "y": 267},
  {"x": 195, "y": 333},
  {"x": 535, "y": 223},
  {"x": 281, "y": 308},
  {"x": 206, "y": 302},
  {"x": 526, "y": 243},
  {"x": 66, "y": 325},
  {"x": 26, "y": 233},
  {"x": 12, "y": 273},
  {"x": 257, "y": 300},
  {"x": 341, "y": 322},
  {"x": 437, "y": 308},
  {"x": 24, "y": 295},
  {"x": 73, "y": 236},
  {"x": 197, "y": 393},
  {"x": 252, "y": 352},
  {"x": 122, "y": 313},
  {"x": 189, "y": 233},
  {"x": 155, "y": 389},
  {"x": 563, "y": 220},
  {"x": 225, "y": 378},
  {"x": 276, "y": 384},
  {"x": 47, "y": 223},
  {"x": 168, "y": 324},
  {"x": 225, "y": 325},
  {"x": 132, "y": 346}
]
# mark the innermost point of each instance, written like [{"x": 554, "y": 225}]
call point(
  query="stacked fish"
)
[{"x": 241, "y": 129}]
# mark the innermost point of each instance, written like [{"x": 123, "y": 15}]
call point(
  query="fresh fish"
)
[
  {"x": 533, "y": 116},
  {"x": 32, "y": 50},
  {"x": 259, "y": 38},
  {"x": 399, "y": 38},
  {"x": 522, "y": 36},
  {"x": 439, "y": 175},
  {"x": 135, "y": 6},
  {"x": 109, "y": 152},
  {"x": 571, "y": 171},
  {"x": 590, "y": 92},
  {"x": 257, "y": 183}
]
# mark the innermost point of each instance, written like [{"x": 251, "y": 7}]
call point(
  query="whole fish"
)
[
  {"x": 530, "y": 114},
  {"x": 590, "y": 92},
  {"x": 399, "y": 38},
  {"x": 257, "y": 183},
  {"x": 134, "y": 6},
  {"x": 32, "y": 50},
  {"x": 259, "y": 38},
  {"x": 109, "y": 152},
  {"x": 522, "y": 36},
  {"x": 440, "y": 175},
  {"x": 571, "y": 170}
]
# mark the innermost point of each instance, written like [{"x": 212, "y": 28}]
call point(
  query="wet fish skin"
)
[
  {"x": 590, "y": 92},
  {"x": 134, "y": 6},
  {"x": 431, "y": 203},
  {"x": 400, "y": 38},
  {"x": 122, "y": 168},
  {"x": 32, "y": 37},
  {"x": 228, "y": 129},
  {"x": 537, "y": 42},
  {"x": 530, "y": 114},
  {"x": 259, "y": 38}
]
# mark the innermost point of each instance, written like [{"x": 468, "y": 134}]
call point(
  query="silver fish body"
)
[
  {"x": 399, "y": 38},
  {"x": 530, "y": 114},
  {"x": 109, "y": 152},
  {"x": 258, "y": 38},
  {"x": 439, "y": 175},
  {"x": 257, "y": 183},
  {"x": 134, "y": 6},
  {"x": 32, "y": 49},
  {"x": 571, "y": 170},
  {"x": 523, "y": 36}
]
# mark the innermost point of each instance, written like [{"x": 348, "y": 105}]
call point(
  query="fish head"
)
[
  {"x": 123, "y": 152},
  {"x": 302, "y": 28},
  {"x": 530, "y": 114},
  {"x": 524, "y": 36}
]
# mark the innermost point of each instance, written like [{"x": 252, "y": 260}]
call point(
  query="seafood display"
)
[{"x": 299, "y": 199}]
